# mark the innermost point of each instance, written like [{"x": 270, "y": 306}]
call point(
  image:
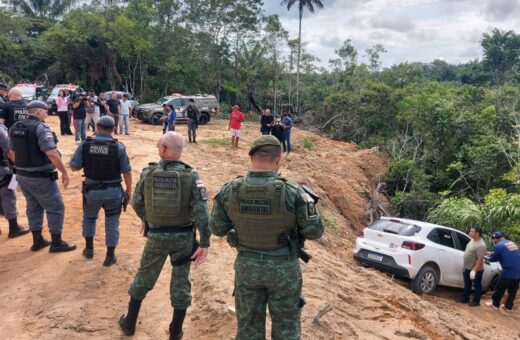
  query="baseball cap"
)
[
  {"x": 106, "y": 122},
  {"x": 4, "y": 86},
  {"x": 497, "y": 234},
  {"x": 264, "y": 141},
  {"x": 37, "y": 104}
]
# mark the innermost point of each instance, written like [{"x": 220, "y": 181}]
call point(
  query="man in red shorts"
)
[{"x": 235, "y": 119}]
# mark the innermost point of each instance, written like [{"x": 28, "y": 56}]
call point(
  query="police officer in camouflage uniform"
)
[
  {"x": 33, "y": 149},
  {"x": 264, "y": 216},
  {"x": 103, "y": 160},
  {"x": 171, "y": 200},
  {"x": 7, "y": 196}
]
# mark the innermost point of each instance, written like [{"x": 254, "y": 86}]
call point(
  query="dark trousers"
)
[
  {"x": 116, "y": 120},
  {"x": 64, "y": 122},
  {"x": 511, "y": 286},
  {"x": 68, "y": 122},
  {"x": 477, "y": 284}
]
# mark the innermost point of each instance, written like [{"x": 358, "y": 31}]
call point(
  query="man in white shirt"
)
[{"x": 126, "y": 106}]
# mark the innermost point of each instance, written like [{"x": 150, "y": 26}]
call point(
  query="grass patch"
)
[
  {"x": 216, "y": 141},
  {"x": 308, "y": 144},
  {"x": 331, "y": 225}
]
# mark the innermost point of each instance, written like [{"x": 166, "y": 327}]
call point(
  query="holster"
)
[{"x": 186, "y": 259}]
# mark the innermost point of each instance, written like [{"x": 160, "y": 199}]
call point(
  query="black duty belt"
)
[
  {"x": 53, "y": 175},
  {"x": 172, "y": 229},
  {"x": 258, "y": 256},
  {"x": 101, "y": 186}
]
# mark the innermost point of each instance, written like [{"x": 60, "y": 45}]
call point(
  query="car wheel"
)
[
  {"x": 156, "y": 118},
  {"x": 426, "y": 281},
  {"x": 203, "y": 119}
]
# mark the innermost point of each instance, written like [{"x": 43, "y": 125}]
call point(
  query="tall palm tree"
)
[{"x": 302, "y": 4}]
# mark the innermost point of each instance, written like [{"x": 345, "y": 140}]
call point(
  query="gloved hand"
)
[{"x": 472, "y": 275}]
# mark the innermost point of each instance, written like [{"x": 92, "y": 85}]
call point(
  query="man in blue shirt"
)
[
  {"x": 103, "y": 160},
  {"x": 507, "y": 253},
  {"x": 287, "y": 125}
]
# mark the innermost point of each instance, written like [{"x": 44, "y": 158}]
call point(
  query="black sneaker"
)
[
  {"x": 18, "y": 232},
  {"x": 127, "y": 329},
  {"x": 88, "y": 253},
  {"x": 109, "y": 260},
  {"x": 474, "y": 304},
  {"x": 463, "y": 300},
  {"x": 62, "y": 247}
]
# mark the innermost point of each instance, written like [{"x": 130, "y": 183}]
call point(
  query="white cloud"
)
[{"x": 411, "y": 30}]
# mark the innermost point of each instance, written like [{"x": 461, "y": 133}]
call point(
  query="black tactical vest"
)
[
  {"x": 25, "y": 144},
  {"x": 16, "y": 110},
  {"x": 100, "y": 159}
]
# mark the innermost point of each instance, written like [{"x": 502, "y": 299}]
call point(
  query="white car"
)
[{"x": 427, "y": 254}]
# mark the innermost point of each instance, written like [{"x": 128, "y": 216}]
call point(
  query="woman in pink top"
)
[{"x": 62, "y": 102}]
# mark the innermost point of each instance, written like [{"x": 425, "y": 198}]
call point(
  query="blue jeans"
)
[
  {"x": 123, "y": 124},
  {"x": 81, "y": 129},
  {"x": 477, "y": 283},
  {"x": 112, "y": 206},
  {"x": 287, "y": 142}
]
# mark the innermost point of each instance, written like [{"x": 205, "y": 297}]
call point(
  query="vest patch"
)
[
  {"x": 165, "y": 182},
  {"x": 257, "y": 206},
  {"x": 19, "y": 132},
  {"x": 98, "y": 149}
]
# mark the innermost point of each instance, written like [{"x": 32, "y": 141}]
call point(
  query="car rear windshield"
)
[{"x": 395, "y": 227}]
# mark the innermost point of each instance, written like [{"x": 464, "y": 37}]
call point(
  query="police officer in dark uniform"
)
[
  {"x": 103, "y": 160},
  {"x": 14, "y": 110},
  {"x": 33, "y": 149},
  {"x": 4, "y": 88}
]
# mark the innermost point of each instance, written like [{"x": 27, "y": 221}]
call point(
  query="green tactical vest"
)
[
  {"x": 259, "y": 213},
  {"x": 167, "y": 194}
]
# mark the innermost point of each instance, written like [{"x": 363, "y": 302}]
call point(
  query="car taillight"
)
[
  {"x": 361, "y": 234},
  {"x": 412, "y": 245}
]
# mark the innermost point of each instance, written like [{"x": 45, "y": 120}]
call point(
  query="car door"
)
[
  {"x": 450, "y": 258},
  {"x": 180, "y": 109}
]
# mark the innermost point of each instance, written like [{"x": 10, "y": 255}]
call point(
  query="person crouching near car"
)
[
  {"x": 473, "y": 267},
  {"x": 506, "y": 252}
]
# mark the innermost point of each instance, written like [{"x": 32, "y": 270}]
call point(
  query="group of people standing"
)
[
  {"x": 278, "y": 127},
  {"x": 86, "y": 110}
]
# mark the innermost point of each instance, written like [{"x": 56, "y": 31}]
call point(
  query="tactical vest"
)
[
  {"x": 167, "y": 194},
  {"x": 17, "y": 109},
  {"x": 25, "y": 144},
  {"x": 259, "y": 213},
  {"x": 100, "y": 159}
]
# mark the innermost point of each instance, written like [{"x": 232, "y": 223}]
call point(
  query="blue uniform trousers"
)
[
  {"x": 110, "y": 200},
  {"x": 8, "y": 201},
  {"x": 43, "y": 194}
]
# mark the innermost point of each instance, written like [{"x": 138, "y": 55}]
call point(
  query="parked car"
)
[
  {"x": 133, "y": 101},
  {"x": 151, "y": 113},
  {"x": 32, "y": 91},
  {"x": 51, "y": 99},
  {"x": 427, "y": 254}
]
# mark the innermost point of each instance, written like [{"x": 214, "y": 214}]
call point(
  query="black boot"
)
[
  {"x": 111, "y": 258},
  {"x": 127, "y": 321},
  {"x": 38, "y": 241},
  {"x": 15, "y": 230},
  {"x": 176, "y": 324},
  {"x": 194, "y": 141},
  {"x": 58, "y": 245},
  {"x": 88, "y": 252}
]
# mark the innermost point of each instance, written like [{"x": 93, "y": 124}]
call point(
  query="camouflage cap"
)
[
  {"x": 264, "y": 141},
  {"x": 37, "y": 104}
]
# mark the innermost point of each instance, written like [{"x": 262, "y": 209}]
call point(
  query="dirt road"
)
[{"x": 64, "y": 296}]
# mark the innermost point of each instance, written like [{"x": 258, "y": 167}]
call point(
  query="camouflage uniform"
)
[
  {"x": 175, "y": 244},
  {"x": 268, "y": 277}
]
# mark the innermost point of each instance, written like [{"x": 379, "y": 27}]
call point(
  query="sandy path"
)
[{"x": 64, "y": 296}]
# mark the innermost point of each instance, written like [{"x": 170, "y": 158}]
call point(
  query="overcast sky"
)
[{"x": 411, "y": 30}]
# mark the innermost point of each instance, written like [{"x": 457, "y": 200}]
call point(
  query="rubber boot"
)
[
  {"x": 59, "y": 246},
  {"x": 127, "y": 321},
  {"x": 15, "y": 230},
  {"x": 176, "y": 324},
  {"x": 38, "y": 241}
]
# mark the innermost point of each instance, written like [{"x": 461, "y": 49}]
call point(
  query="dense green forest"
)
[{"x": 452, "y": 131}]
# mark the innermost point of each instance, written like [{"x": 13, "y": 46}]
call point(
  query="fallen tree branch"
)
[{"x": 321, "y": 313}]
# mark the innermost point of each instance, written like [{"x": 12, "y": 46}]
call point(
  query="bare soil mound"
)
[{"x": 64, "y": 296}]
